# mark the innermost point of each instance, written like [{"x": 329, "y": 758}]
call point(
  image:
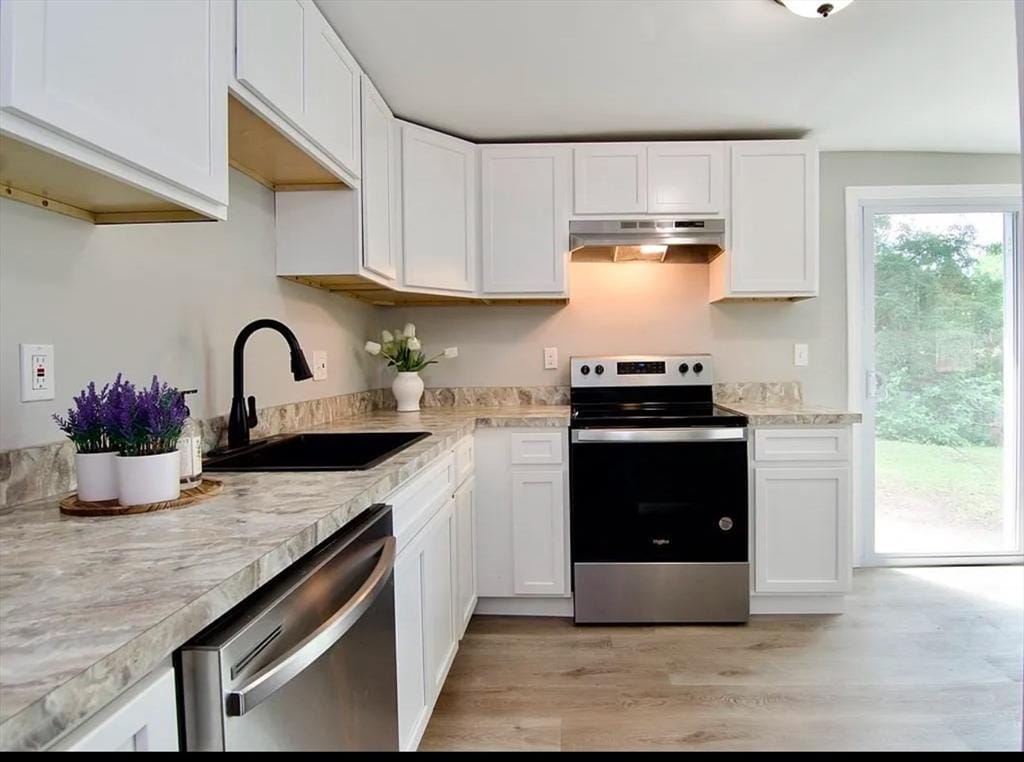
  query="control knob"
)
[
  {"x": 698, "y": 367},
  {"x": 684, "y": 368},
  {"x": 599, "y": 369},
  {"x": 585, "y": 370}
]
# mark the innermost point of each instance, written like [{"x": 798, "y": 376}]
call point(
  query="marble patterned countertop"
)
[
  {"x": 790, "y": 413},
  {"x": 88, "y": 606}
]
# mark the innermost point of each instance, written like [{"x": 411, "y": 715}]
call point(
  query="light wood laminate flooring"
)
[{"x": 923, "y": 659}]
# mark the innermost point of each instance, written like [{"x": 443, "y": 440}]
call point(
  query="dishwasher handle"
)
[{"x": 278, "y": 673}]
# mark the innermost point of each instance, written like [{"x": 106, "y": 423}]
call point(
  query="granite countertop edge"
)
[
  {"x": 38, "y": 723},
  {"x": 791, "y": 414}
]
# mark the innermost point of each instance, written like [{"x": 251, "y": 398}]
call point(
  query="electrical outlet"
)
[
  {"x": 37, "y": 382},
  {"x": 319, "y": 365},
  {"x": 800, "y": 354},
  {"x": 550, "y": 358}
]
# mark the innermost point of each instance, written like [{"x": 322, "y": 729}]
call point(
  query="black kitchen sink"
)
[{"x": 314, "y": 452}]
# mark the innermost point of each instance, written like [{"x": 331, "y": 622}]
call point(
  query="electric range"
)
[{"x": 658, "y": 493}]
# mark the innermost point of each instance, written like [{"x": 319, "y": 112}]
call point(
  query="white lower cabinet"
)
[
  {"x": 465, "y": 555},
  {"x": 522, "y": 515},
  {"x": 145, "y": 718},
  {"x": 802, "y": 521}
]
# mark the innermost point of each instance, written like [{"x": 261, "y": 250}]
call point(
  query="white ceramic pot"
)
[
  {"x": 96, "y": 473},
  {"x": 148, "y": 478},
  {"x": 408, "y": 388}
]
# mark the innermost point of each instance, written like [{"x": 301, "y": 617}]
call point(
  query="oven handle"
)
[{"x": 620, "y": 436}]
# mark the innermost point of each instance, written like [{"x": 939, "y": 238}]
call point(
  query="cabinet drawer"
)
[
  {"x": 463, "y": 460},
  {"x": 801, "y": 444},
  {"x": 414, "y": 503},
  {"x": 542, "y": 448}
]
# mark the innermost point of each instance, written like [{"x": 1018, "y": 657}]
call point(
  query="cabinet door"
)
[
  {"x": 465, "y": 555},
  {"x": 525, "y": 219},
  {"x": 438, "y": 211},
  {"x": 145, "y": 83},
  {"x": 610, "y": 178},
  {"x": 802, "y": 530},
  {"x": 439, "y": 639},
  {"x": 685, "y": 178},
  {"x": 270, "y": 42},
  {"x": 330, "y": 91},
  {"x": 774, "y": 218},
  {"x": 378, "y": 155},
  {"x": 413, "y": 702},
  {"x": 144, "y": 719},
  {"x": 538, "y": 533}
]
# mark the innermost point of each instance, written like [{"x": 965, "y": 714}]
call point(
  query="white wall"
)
[
  {"x": 639, "y": 307},
  {"x": 165, "y": 299}
]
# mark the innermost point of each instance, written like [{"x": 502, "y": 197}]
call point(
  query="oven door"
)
[{"x": 659, "y": 495}]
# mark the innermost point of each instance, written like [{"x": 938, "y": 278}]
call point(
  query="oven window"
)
[{"x": 680, "y": 501}]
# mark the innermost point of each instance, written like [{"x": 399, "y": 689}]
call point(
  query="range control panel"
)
[{"x": 667, "y": 370}]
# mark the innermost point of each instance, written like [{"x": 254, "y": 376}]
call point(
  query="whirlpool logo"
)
[{"x": 660, "y": 541}]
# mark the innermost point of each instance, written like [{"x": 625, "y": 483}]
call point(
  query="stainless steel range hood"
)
[{"x": 647, "y": 233}]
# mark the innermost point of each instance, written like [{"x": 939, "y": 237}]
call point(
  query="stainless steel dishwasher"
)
[{"x": 306, "y": 663}]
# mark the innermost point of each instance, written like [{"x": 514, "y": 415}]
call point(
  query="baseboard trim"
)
[
  {"x": 524, "y": 607},
  {"x": 797, "y": 604}
]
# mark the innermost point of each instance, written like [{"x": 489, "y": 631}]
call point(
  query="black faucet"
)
[{"x": 239, "y": 421}]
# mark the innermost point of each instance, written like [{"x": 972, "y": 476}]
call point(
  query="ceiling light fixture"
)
[{"x": 814, "y": 9}]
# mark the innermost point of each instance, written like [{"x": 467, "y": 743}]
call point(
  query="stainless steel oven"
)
[
  {"x": 659, "y": 494},
  {"x": 306, "y": 663}
]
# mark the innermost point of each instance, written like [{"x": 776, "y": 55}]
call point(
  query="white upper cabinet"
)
[
  {"x": 136, "y": 91},
  {"x": 686, "y": 178},
  {"x": 439, "y": 218},
  {"x": 378, "y": 160},
  {"x": 610, "y": 178},
  {"x": 331, "y": 92},
  {"x": 773, "y": 246},
  {"x": 525, "y": 219},
  {"x": 270, "y": 42},
  {"x": 292, "y": 60}
]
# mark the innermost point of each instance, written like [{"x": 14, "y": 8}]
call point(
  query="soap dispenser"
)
[{"x": 190, "y": 447}]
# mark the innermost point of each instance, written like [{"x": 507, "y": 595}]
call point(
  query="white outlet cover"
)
[
  {"x": 319, "y": 365},
  {"x": 800, "y": 354},
  {"x": 37, "y": 375},
  {"x": 550, "y": 358}
]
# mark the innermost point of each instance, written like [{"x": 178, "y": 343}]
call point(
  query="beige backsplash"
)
[{"x": 35, "y": 473}]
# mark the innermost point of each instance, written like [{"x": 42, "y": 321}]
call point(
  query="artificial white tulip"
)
[
  {"x": 410, "y": 331},
  {"x": 372, "y": 347},
  {"x": 414, "y": 344},
  {"x": 450, "y": 352},
  {"x": 387, "y": 337}
]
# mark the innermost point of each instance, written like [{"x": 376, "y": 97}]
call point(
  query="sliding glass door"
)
[{"x": 940, "y": 439}]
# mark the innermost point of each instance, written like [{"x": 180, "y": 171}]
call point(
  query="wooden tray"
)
[{"x": 72, "y": 506}]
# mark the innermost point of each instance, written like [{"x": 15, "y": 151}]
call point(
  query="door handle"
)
[
  {"x": 620, "y": 436},
  {"x": 279, "y": 672}
]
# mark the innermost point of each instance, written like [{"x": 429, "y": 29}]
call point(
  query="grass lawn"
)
[{"x": 966, "y": 481}]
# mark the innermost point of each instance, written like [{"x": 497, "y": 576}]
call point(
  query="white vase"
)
[
  {"x": 96, "y": 473},
  {"x": 408, "y": 388},
  {"x": 148, "y": 478}
]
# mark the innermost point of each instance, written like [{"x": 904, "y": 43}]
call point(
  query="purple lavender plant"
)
[
  {"x": 85, "y": 424},
  {"x": 144, "y": 422}
]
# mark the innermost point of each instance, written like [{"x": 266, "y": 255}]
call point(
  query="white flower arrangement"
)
[{"x": 404, "y": 351}]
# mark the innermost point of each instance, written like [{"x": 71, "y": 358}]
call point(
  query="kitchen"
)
[{"x": 145, "y": 254}]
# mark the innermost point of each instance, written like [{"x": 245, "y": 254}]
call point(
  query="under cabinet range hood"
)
[{"x": 647, "y": 240}]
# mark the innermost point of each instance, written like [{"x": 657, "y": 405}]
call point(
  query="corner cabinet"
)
[
  {"x": 772, "y": 246},
  {"x": 116, "y": 112},
  {"x": 524, "y": 207},
  {"x": 439, "y": 211},
  {"x": 377, "y": 193},
  {"x": 291, "y": 59}
]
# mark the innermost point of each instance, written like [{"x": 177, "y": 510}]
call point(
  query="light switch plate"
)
[
  {"x": 550, "y": 358},
  {"x": 800, "y": 354},
  {"x": 37, "y": 380},
  {"x": 319, "y": 365}
]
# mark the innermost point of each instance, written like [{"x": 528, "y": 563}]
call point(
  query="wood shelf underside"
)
[{"x": 371, "y": 292}]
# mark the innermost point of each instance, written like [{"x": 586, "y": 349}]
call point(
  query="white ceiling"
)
[{"x": 935, "y": 75}]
